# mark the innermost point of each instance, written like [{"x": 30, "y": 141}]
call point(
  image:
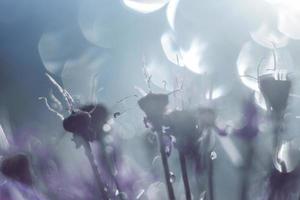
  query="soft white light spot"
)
[
  {"x": 260, "y": 101},
  {"x": 171, "y": 49},
  {"x": 286, "y": 159},
  {"x": 213, "y": 155},
  {"x": 274, "y": 2},
  {"x": 288, "y": 23},
  {"x": 268, "y": 36},
  {"x": 215, "y": 93},
  {"x": 106, "y": 128},
  {"x": 171, "y": 12},
  {"x": 140, "y": 194},
  {"x": 52, "y": 52},
  {"x": 145, "y": 6},
  {"x": 80, "y": 76},
  {"x": 231, "y": 150},
  {"x": 192, "y": 58},
  {"x": 4, "y": 144}
]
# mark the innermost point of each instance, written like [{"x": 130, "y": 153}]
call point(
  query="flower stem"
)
[
  {"x": 165, "y": 166},
  {"x": 247, "y": 172},
  {"x": 110, "y": 165},
  {"x": 210, "y": 170},
  {"x": 100, "y": 184},
  {"x": 210, "y": 179},
  {"x": 185, "y": 176}
]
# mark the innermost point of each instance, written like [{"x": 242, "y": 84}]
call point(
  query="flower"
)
[
  {"x": 99, "y": 116},
  {"x": 17, "y": 167},
  {"x": 275, "y": 91},
  {"x": 183, "y": 126},
  {"x": 154, "y": 104},
  {"x": 78, "y": 122},
  {"x": 87, "y": 122}
]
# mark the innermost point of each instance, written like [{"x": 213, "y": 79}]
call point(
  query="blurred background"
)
[{"x": 104, "y": 51}]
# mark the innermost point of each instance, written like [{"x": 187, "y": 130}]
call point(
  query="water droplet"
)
[
  {"x": 106, "y": 128},
  {"x": 168, "y": 150},
  {"x": 172, "y": 177},
  {"x": 140, "y": 194},
  {"x": 115, "y": 171},
  {"x": 202, "y": 196},
  {"x": 213, "y": 155},
  {"x": 165, "y": 129}
]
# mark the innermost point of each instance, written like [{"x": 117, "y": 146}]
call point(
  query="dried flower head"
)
[
  {"x": 87, "y": 122},
  {"x": 17, "y": 168},
  {"x": 154, "y": 104},
  {"x": 275, "y": 91}
]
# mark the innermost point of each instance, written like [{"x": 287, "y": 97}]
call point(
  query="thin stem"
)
[
  {"x": 50, "y": 108},
  {"x": 245, "y": 176},
  {"x": 277, "y": 120},
  {"x": 165, "y": 166},
  {"x": 210, "y": 171},
  {"x": 185, "y": 176},
  {"x": 277, "y": 129},
  {"x": 110, "y": 165},
  {"x": 100, "y": 184},
  {"x": 210, "y": 180},
  {"x": 67, "y": 97}
]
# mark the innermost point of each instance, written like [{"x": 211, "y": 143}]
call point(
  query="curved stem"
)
[
  {"x": 210, "y": 171},
  {"x": 110, "y": 165},
  {"x": 246, "y": 173},
  {"x": 100, "y": 184},
  {"x": 165, "y": 166},
  {"x": 210, "y": 180},
  {"x": 185, "y": 176}
]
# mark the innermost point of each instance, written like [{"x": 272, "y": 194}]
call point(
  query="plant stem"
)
[
  {"x": 246, "y": 173},
  {"x": 277, "y": 120},
  {"x": 165, "y": 166},
  {"x": 210, "y": 169},
  {"x": 210, "y": 180},
  {"x": 185, "y": 176},
  {"x": 110, "y": 165},
  {"x": 100, "y": 184}
]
